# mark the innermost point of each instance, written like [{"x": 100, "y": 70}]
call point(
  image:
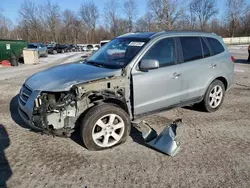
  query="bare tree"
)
[
  {"x": 51, "y": 18},
  {"x": 111, "y": 16},
  {"x": 245, "y": 25},
  {"x": 130, "y": 10},
  {"x": 71, "y": 27},
  {"x": 165, "y": 12},
  {"x": 204, "y": 10},
  {"x": 30, "y": 20},
  {"x": 236, "y": 9},
  {"x": 146, "y": 23},
  {"x": 90, "y": 14},
  {"x": 5, "y": 27}
]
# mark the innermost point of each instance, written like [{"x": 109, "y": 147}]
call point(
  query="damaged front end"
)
[{"x": 57, "y": 112}]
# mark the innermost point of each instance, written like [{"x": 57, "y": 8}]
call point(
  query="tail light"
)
[{"x": 233, "y": 59}]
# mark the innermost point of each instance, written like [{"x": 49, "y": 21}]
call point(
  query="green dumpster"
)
[{"x": 12, "y": 50}]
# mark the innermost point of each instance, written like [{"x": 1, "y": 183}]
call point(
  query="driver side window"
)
[{"x": 162, "y": 51}]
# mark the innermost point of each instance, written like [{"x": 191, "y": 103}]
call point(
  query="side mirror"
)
[{"x": 148, "y": 64}]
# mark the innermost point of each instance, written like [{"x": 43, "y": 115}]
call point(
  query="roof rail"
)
[
  {"x": 126, "y": 34},
  {"x": 158, "y": 33}
]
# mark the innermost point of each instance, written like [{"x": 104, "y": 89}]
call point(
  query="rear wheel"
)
[
  {"x": 214, "y": 96},
  {"x": 54, "y": 52},
  {"x": 105, "y": 126}
]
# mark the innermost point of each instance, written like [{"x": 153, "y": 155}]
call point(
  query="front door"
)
[{"x": 159, "y": 88}]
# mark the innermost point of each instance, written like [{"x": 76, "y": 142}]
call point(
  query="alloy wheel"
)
[
  {"x": 215, "y": 96},
  {"x": 108, "y": 130}
]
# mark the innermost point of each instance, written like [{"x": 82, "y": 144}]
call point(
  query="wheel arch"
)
[
  {"x": 221, "y": 78},
  {"x": 117, "y": 102},
  {"x": 99, "y": 98}
]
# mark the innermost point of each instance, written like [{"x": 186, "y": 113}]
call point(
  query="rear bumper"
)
[{"x": 230, "y": 80}]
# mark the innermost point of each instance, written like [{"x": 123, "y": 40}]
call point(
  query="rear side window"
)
[
  {"x": 206, "y": 51},
  {"x": 215, "y": 45},
  {"x": 191, "y": 48},
  {"x": 163, "y": 51}
]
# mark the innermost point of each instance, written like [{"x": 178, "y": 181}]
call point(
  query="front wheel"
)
[
  {"x": 105, "y": 126},
  {"x": 214, "y": 96}
]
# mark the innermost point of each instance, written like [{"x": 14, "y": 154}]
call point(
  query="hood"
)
[{"x": 63, "y": 77}]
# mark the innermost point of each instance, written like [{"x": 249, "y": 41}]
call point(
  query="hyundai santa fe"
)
[{"x": 132, "y": 76}]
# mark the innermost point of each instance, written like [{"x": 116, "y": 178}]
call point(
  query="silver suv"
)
[{"x": 132, "y": 76}]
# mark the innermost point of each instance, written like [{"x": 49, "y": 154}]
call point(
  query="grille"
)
[{"x": 24, "y": 94}]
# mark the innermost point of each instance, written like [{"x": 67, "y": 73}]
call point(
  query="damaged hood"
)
[{"x": 63, "y": 77}]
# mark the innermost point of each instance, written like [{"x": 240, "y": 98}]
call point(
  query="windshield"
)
[
  {"x": 32, "y": 46},
  {"x": 51, "y": 45},
  {"x": 117, "y": 53}
]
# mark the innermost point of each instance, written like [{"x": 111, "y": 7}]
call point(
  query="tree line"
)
[{"x": 48, "y": 22}]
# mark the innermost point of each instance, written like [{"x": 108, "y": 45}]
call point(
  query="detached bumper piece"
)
[{"x": 166, "y": 142}]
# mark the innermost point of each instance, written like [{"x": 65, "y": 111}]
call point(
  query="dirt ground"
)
[{"x": 214, "y": 151}]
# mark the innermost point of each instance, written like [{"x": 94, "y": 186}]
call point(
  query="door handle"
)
[
  {"x": 213, "y": 65},
  {"x": 176, "y": 75}
]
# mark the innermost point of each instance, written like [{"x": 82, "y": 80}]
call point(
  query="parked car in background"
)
[
  {"x": 84, "y": 48},
  {"x": 77, "y": 48},
  {"x": 74, "y": 47},
  {"x": 12, "y": 50},
  {"x": 40, "y": 47},
  {"x": 69, "y": 48},
  {"x": 56, "y": 48},
  {"x": 103, "y": 42},
  {"x": 96, "y": 47},
  {"x": 90, "y": 47}
]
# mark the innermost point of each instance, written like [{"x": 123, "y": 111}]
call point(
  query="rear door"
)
[
  {"x": 159, "y": 88},
  {"x": 195, "y": 67}
]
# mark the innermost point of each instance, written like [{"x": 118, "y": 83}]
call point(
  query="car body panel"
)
[
  {"x": 62, "y": 77},
  {"x": 155, "y": 93}
]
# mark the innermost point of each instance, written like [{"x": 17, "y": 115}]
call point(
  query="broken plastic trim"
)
[{"x": 165, "y": 142}]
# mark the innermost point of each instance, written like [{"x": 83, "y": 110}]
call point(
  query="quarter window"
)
[
  {"x": 163, "y": 51},
  {"x": 191, "y": 48},
  {"x": 215, "y": 45}
]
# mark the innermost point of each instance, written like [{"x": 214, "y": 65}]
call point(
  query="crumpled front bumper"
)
[{"x": 25, "y": 109}]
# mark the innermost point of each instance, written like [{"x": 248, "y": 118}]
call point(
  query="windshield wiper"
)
[{"x": 94, "y": 63}]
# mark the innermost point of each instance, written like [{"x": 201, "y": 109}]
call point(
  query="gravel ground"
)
[{"x": 214, "y": 151}]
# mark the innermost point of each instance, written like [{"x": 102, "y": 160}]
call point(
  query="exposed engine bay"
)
[{"x": 57, "y": 112}]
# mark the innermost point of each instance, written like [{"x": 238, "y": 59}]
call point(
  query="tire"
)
[
  {"x": 210, "y": 96},
  {"x": 96, "y": 123},
  {"x": 54, "y": 52},
  {"x": 62, "y": 51}
]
